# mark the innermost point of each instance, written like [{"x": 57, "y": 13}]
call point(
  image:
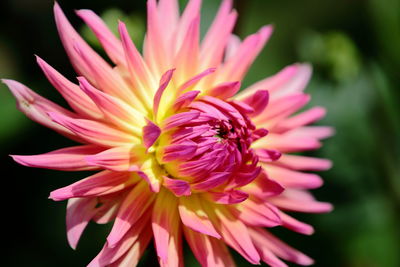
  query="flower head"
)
[{"x": 178, "y": 152}]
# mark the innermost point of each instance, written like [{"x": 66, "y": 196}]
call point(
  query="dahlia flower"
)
[{"x": 178, "y": 152}]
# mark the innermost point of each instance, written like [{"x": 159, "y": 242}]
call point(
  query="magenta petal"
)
[
  {"x": 151, "y": 132},
  {"x": 185, "y": 99},
  {"x": 258, "y": 101},
  {"x": 164, "y": 81},
  {"x": 214, "y": 180},
  {"x": 177, "y": 187},
  {"x": 182, "y": 151},
  {"x": 225, "y": 90},
  {"x": 268, "y": 155},
  {"x": 228, "y": 197},
  {"x": 179, "y": 119}
]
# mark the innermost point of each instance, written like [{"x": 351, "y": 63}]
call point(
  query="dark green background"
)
[{"x": 354, "y": 47}]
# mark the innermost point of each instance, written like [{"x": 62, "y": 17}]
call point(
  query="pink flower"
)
[{"x": 178, "y": 152}]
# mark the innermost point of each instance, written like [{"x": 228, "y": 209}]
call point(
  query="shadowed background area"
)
[{"x": 354, "y": 49}]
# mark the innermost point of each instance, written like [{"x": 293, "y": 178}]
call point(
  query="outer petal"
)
[
  {"x": 131, "y": 210},
  {"x": 229, "y": 229},
  {"x": 256, "y": 213},
  {"x": 71, "y": 92},
  {"x": 210, "y": 252},
  {"x": 236, "y": 67},
  {"x": 300, "y": 201},
  {"x": 303, "y": 163},
  {"x": 216, "y": 39},
  {"x": 290, "y": 80},
  {"x": 131, "y": 240},
  {"x": 132, "y": 257},
  {"x": 94, "y": 132},
  {"x": 79, "y": 213},
  {"x": 114, "y": 109},
  {"x": 142, "y": 79},
  {"x": 36, "y": 108},
  {"x": 104, "y": 182},
  {"x": 110, "y": 43},
  {"x": 279, "y": 248},
  {"x": 194, "y": 216},
  {"x": 65, "y": 159},
  {"x": 118, "y": 159},
  {"x": 166, "y": 232},
  {"x": 293, "y": 179}
]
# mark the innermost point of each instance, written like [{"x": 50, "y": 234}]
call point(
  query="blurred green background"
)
[{"x": 354, "y": 46}]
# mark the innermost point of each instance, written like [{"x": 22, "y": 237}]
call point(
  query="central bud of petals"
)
[{"x": 208, "y": 147}]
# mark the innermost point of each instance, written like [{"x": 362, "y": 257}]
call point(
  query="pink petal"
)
[
  {"x": 116, "y": 111},
  {"x": 79, "y": 213},
  {"x": 256, "y": 213},
  {"x": 111, "y": 254},
  {"x": 78, "y": 100},
  {"x": 36, "y": 108},
  {"x": 132, "y": 208},
  {"x": 140, "y": 74},
  {"x": 104, "y": 182},
  {"x": 165, "y": 224},
  {"x": 107, "y": 79},
  {"x": 236, "y": 67},
  {"x": 302, "y": 119},
  {"x": 289, "y": 142},
  {"x": 230, "y": 228},
  {"x": 188, "y": 54},
  {"x": 192, "y": 10},
  {"x": 279, "y": 248},
  {"x": 117, "y": 158},
  {"x": 283, "y": 107},
  {"x": 65, "y": 159},
  {"x": 263, "y": 187},
  {"x": 266, "y": 254},
  {"x": 232, "y": 46},
  {"x": 293, "y": 200},
  {"x": 294, "y": 179},
  {"x": 317, "y": 132},
  {"x": 217, "y": 37},
  {"x": 110, "y": 43},
  {"x": 168, "y": 12},
  {"x": 192, "y": 82},
  {"x": 70, "y": 39},
  {"x": 210, "y": 252},
  {"x": 292, "y": 79},
  {"x": 177, "y": 187},
  {"x": 134, "y": 254},
  {"x": 94, "y": 132},
  {"x": 228, "y": 197},
  {"x": 194, "y": 216},
  {"x": 154, "y": 47},
  {"x": 303, "y": 163}
]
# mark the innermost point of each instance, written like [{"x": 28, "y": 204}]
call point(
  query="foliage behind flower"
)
[{"x": 179, "y": 152}]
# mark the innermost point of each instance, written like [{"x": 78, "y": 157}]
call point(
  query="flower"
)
[{"x": 178, "y": 151}]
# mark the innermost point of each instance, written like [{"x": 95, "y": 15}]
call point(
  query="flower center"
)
[{"x": 212, "y": 151}]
